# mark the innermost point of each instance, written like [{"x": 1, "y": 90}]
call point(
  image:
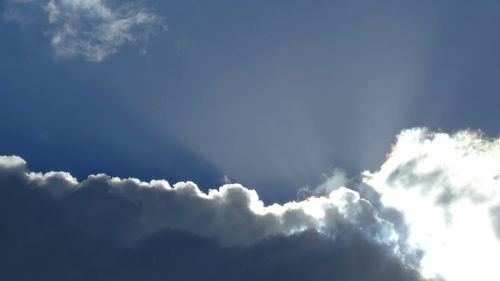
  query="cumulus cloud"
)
[
  {"x": 448, "y": 188},
  {"x": 430, "y": 213},
  {"x": 232, "y": 214},
  {"x": 93, "y": 29},
  {"x": 230, "y": 227},
  {"x": 332, "y": 181}
]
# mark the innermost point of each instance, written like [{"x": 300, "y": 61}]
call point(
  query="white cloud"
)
[
  {"x": 93, "y": 29},
  {"x": 11, "y": 162},
  {"x": 233, "y": 214},
  {"x": 333, "y": 180},
  {"x": 448, "y": 187}
]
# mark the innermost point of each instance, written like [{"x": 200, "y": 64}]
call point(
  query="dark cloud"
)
[
  {"x": 305, "y": 256},
  {"x": 122, "y": 229},
  {"x": 233, "y": 214}
]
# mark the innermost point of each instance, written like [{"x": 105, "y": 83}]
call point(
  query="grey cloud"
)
[
  {"x": 109, "y": 228},
  {"x": 332, "y": 181},
  {"x": 305, "y": 256},
  {"x": 495, "y": 219},
  {"x": 93, "y": 29},
  {"x": 232, "y": 213},
  {"x": 14, "y": 169},
  {"x": 406, "y": 175}
]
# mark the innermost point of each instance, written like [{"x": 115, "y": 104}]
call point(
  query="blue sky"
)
[{"x": 272, "y": 95}]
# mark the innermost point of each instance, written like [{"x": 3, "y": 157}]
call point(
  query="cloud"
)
[
  {"x": 232, "y": 214},
  {"x": 127, "y": 229},
  {"x": 337, "y": 178},
  {"x": 430, "y": 213},
  {"x": 448, "y": 188},
  {"x": 93, "y": 29}
]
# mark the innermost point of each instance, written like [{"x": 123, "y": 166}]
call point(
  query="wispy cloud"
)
[{"x": 93, "y": 29}]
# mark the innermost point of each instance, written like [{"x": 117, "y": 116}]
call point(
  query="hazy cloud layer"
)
[{"x": 93, "y": 29}]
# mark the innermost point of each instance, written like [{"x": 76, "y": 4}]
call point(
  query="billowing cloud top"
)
[
  {"x": 93, "y": 29},
  {"x": 110, "y": 228},
  {"x": 448, "y": 188},
  {"x": 232, "y": 214},
  {"x": 430, "y": 212}
]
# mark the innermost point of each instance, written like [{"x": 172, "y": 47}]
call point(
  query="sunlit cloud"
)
[
  {"x": 446, "y": 186},
  {"x": 433, "y": 205},
  {"x": 232, "y": 213}
]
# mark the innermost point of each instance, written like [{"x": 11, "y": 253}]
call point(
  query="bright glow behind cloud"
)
[{"x": 447, "y": 186}]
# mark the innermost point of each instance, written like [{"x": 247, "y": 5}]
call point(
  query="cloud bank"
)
[
  {"x": 430, "y": 213},
  {"x": 56, "y": 228},
  {"x": 93, "y": 29},
  {"x": 232, "y": 214}
]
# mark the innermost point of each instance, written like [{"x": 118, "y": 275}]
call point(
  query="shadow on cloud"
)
[
  {"x": 56, "y": 228},
  {"x": 394, "y": 225}
]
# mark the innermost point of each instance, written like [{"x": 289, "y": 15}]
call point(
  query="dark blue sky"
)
[{"x": 270, "y": 94}]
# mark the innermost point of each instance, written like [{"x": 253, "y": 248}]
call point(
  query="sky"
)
[{"x": 270, "y": 140}]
